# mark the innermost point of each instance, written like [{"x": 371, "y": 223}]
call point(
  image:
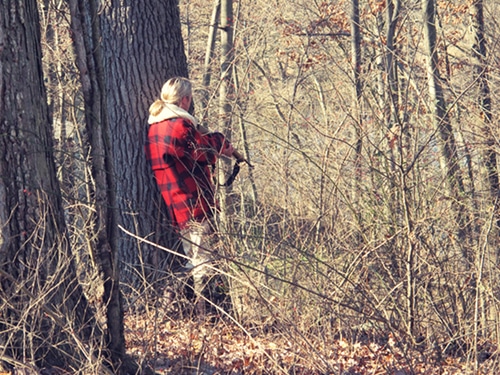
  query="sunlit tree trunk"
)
[
  {"x": 105, "y": 219},
  {"x": 392, "y": 16},
  {"x": 227, "y": 60},
  {"x": 449, "y": 157},
  {"x": 137, "y": 59},
  {"x": 480, "y": 53},
  {"x": 357, "y": 105},
  {"x": 50, "y": 16},
  {"x": 452, "y": 176},
  {"x": 400, "y": 192},
  {"x": 44, "y": 317},
  {"x": 209, "y": 54},
  {"x": 226, "y": 90},
  {"x": 112, "y": 56},
  {"x": 356, "y": 67},
  {"x": 124, "y": 62}
]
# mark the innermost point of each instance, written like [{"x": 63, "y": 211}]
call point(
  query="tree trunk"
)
[
  {"x": 227, "y": 60},
  {"x": 454, "y": 186},
  {"x": 104, "y": 231},
  {"x": 44, "y": 317},
  {"x": 226, "y": 90},
  {"x": 209, "y": 54},
  {"x": 111, "y": 56},
  {"x": 479, "y": 52},
  {"x": 142, "y": 47},
  {"x": 356, "y": 67},
  {"x": 357, "y": 100},
  {"x": 449, "y": 156}
]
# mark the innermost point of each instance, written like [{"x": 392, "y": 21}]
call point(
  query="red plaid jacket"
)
[{"x": 181, "y": 157}]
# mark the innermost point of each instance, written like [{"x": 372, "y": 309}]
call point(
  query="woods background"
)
[{"x": 372, "y": 208}]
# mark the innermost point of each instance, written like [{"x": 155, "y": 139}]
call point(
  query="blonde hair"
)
[{"x": 172, "y": 92}]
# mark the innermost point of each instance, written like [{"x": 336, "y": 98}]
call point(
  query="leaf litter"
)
[{"x": 191, "y": 346}]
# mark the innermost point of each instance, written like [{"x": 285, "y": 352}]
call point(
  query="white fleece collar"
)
[{"x": 171, "y": 111}]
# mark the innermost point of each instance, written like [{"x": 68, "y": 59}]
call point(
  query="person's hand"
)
[
  {"x": 202, "y": 129},
  {"x": 240, "y": 158}
]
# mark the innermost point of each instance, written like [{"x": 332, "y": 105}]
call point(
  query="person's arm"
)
[
  {"x": 239, "y": 157},
  {"x": 227, "y": 149},
  {"x": 216, "y": 142}
]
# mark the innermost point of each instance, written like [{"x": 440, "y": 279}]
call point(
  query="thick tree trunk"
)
[
  {"x": 104, "y": 238},
  {"x": 142, "y": 47},
  {"x": 44, "y": 318},
  {"x": 111, "y": 55}
]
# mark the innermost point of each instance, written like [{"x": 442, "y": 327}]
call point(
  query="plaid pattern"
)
[{"x": 180, "y": 157}]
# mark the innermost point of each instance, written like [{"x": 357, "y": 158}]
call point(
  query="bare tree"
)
[
  {"x": 356, "y": 68},
  {"x": 104, "y": 243},
  {"x": 209, "y": 54},
  {"x": 449, "y": 156},
  {"x": 480, "y": 54},
  {"x": 226, "y": 89},
  {"x": 137, "y": 60},
  {"x": 227, "y": 60},
  {"x": 37, "y": 273},
  {"x": 119, "y": 80}
]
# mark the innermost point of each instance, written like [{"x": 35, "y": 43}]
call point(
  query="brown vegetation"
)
[{"x": 365, "y": 238}]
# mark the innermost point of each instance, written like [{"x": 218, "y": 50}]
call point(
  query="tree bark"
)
[
  {"x": 142, "y": 47},
  {"x": 480, "y": 54},
  {"x": 104, "y": 238},
  {"x": 44, "y": 316},
  {"x": 209, "y": 54},
  {"x": 227, "y": 61},
  {"x": 226, "y": 91},
  {"x": 449, "y": 156},
  {"x": 117, "y": 50},
  {"x": 357, "y": 102},
  {"x": 356, "y": 67}
]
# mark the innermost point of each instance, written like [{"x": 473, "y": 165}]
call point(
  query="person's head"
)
[{"x": 178, "y": 91}]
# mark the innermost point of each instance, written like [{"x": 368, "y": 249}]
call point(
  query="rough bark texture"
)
[
  {"x": 226, "y": 95},
  {"x": 104, "y": 239},
  {"x": 38, "y": 288},
  {"x": 125, "y": 53},
  {"x": 142, "y": 47}
]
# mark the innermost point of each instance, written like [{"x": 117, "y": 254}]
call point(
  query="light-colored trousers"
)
[{"x": 197, "y": 242}]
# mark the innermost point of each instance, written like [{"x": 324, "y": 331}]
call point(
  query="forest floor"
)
[{"x": 191, "y": 346}]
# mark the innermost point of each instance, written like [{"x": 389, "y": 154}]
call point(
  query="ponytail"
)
[
  {"x": 156, "y": 107},
  {"x": 172, "y": 92}
]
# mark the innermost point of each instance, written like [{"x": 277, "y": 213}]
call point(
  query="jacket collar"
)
[{"x": 171, "y": 111}]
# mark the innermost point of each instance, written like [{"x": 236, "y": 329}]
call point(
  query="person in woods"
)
[{"x": 181, "y": 154}]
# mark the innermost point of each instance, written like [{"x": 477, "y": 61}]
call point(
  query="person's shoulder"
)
[
  {"x": 179, "y": 121},
  {"x": 180, "y": 127},
  {"x": 185, "y": 124},
  {"x": 175, "y": 122}
]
